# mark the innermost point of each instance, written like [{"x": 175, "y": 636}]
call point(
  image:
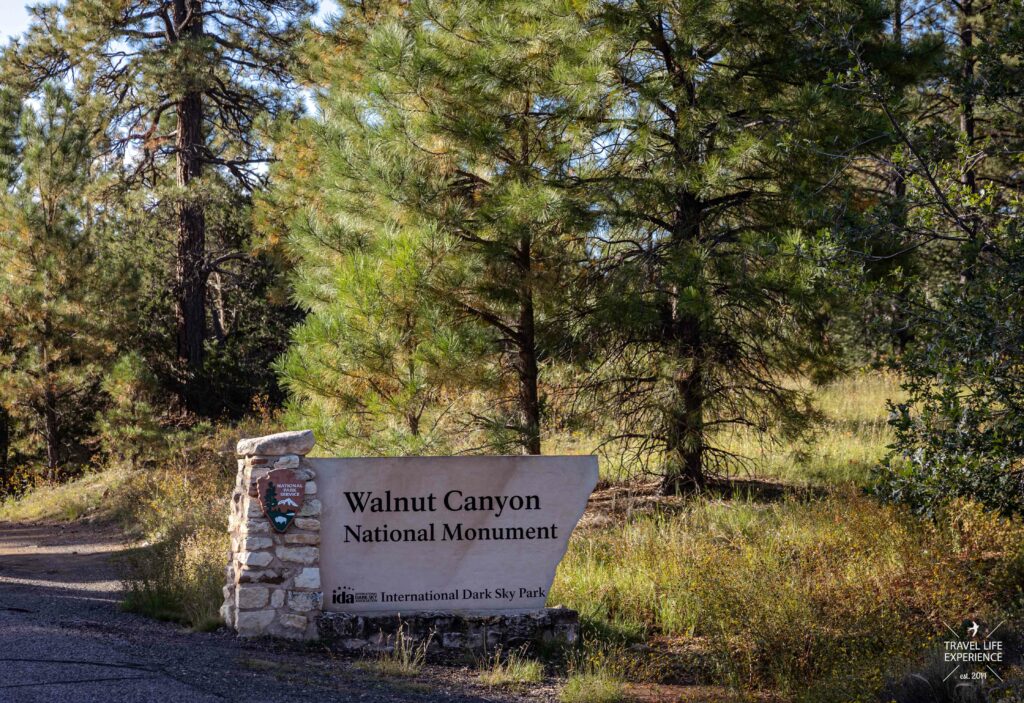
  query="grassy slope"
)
[{"x": 819, "y": 594}]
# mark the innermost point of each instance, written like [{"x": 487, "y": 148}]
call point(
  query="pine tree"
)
[
  {"x": 186, "y": 83},
  {"x": 712, "y": 188},
  {"x": 450, "y": 146},
  {"x": 51, "y": 288}
]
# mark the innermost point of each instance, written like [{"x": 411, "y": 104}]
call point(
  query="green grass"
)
[
  {"x": 514, "y": 669},
  {"x": 592, "y": 687}
]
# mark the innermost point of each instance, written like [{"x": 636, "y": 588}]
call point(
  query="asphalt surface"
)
[{"x": 64, "y": 638}]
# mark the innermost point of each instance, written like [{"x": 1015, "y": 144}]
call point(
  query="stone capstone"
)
[{"x": 299, "y": 442}]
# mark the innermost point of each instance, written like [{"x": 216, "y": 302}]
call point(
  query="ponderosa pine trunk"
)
[
  {"x": 685, "y": 462},
  {"x": 684, "y": 469},
  {"x": 5, "y": 438},
  {"x": 527, "y": 368},
  {"x": 190, "y": 269},
  {"x": 51, "y": 429},
  {"x": 51, "y": 426}
]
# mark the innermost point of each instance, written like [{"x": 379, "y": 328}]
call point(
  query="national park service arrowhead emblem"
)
[{"x": 281, "y": 493}]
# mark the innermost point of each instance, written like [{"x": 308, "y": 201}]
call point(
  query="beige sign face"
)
[{"x": 457, "y": 534}]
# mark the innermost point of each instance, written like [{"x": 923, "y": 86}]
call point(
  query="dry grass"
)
[
  {"x": 84, "y": 497},
  {"x": 786, "y": 594},
  {"x": 842, "y": 446},
  {"x": 403, "y": 658},
  {"x": 512, "y": 670}
]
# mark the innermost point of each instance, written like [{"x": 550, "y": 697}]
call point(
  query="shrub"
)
[
  {"x": 179, "y": 578},
  {"x": 961, "y": 432},
  {"x": 180, "y": 507}
]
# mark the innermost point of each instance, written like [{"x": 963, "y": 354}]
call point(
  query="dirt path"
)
[{"x": 63, "y": 637}]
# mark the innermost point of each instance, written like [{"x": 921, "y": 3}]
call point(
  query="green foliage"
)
[
  {"x": 958, "y": 434},
  {"x": 439, "y": 241},
  {"x": 52, "y": 291},
  {"x": 961, "y": 431},
  {"x": 129, "y": 429}
]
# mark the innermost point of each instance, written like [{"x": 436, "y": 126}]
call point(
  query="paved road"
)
[{"x": 64, "y": 638}]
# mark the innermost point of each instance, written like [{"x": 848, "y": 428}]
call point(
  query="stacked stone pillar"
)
[{"x": 273, "y": 580}]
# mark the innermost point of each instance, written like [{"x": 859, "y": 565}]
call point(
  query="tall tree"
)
[
  {"x": 51, "y": 295},
  {"x": 713, "y": 192},
  {"x": 186, "y": 84},
  {"x": 462, "y": 128}
]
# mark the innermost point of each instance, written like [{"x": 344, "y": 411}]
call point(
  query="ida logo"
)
[{"x": 344, "y": 595}]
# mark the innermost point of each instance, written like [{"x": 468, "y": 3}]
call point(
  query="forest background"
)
[{"x": 764, "y": 257}]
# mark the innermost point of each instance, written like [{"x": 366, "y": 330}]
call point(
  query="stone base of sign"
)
[
  {"x": 273, "y": 580},
  {"x": 448, "y": 632}
]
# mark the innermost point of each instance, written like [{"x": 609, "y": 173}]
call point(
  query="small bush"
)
[
  {"x": 515, "y": 669},
  {"x": 180, "y": 506},
  {"x": 179, "y": 578}
]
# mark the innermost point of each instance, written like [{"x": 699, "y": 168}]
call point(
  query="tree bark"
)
[
  {"x": 965, "y": 29},
  {"x": 190, "y": 270},
  {"x": 686, "y": 443},
  {"x": 51, "y": 426},
  {"x": 5, "y": 438},
  {"x": 51, "y": 429},
  {"x": 686, "y": 446},
  {"x": 527, "y": 368}
]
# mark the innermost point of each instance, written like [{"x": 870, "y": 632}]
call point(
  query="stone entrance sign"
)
[
  {"x": 458, "y": 551},
  {"x": 455, "y": 534}
]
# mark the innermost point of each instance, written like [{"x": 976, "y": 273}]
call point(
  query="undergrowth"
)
[
  {"x": 511, "y": 670},
  {"x": 788, "y": 595}
]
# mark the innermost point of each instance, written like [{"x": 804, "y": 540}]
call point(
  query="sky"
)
[{"x": 14, "y": 17}]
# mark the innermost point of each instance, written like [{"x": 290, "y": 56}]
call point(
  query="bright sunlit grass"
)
[{"x": 82, "y": 497}]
